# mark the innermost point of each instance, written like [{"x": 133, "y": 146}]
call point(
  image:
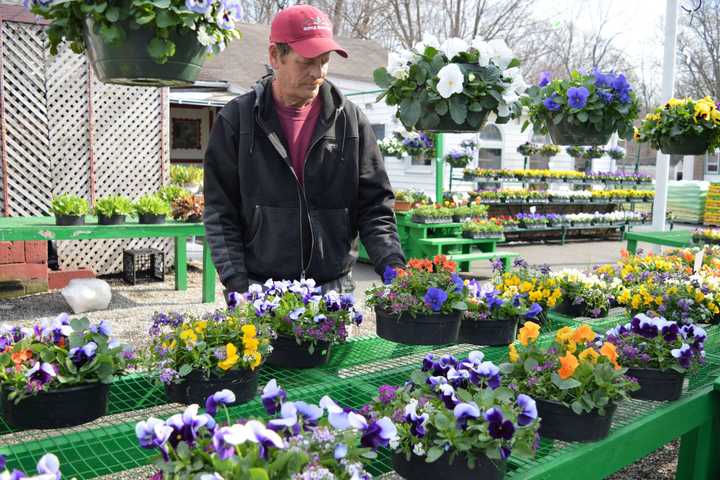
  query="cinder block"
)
[
  {"x": 23, "y": 271},
  {"x": 61, "y": 278},
  {"x": 36, "y": 251},
  {"x": 12, "y": 252}
]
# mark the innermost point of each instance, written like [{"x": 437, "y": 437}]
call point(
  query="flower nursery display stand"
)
[
  {"x": 44, "y": 228},
  {"x": 675, "y": 238},
  {"x": 352, "y": 378}
]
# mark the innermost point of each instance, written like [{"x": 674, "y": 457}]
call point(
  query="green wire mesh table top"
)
[{"x": 351, "y": 378}]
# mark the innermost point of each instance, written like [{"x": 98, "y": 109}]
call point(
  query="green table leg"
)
[
  {"x": 632, "y": 246},
  {"x": 465, "y": 266},
  {"x": 699, "y": 451},
  {"x": 507, "y": 264},
  {"x": 180, "y": 263},
  {"x": 208, "y": 275}
]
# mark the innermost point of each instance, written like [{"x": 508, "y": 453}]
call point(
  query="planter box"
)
[
  {"x": 418, "y": 469},
  {"x": 433, "y": 329},
  {"x": 533, "y": 226},
  {"x": 287, "y": 353},
  {"x": 57, "y": 408},
  {"x": 457, "y": 219},
  {"x": 488, "y": 332},
  {"x": 195, "y": 388},
  {"x": 658, "y": 385},
  {"x": 427, "y": 220},
  {"x": 561, "y": 423}
]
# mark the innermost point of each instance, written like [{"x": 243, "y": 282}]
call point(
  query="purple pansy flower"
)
[
  {"x": 378, "y": 433},
  {"x": 435, "y": 298},
  {"x": 533, "y": 311},
  {"x": 389, "y": 275},
  {"x": 223, "y": 397},
  {"x": 272, "y": 397},
  {"x": 545, "y": 78},
  {"x": 417, "y": 422},
  {"x": 551, "y": 104},
  {"x": 464, "y": 412},
  {"x": 498, "y": 427},
  {"x": 528, "y": 410},
  {"x": 577, "y": 97}
]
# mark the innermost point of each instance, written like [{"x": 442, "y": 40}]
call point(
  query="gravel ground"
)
[{"x": 132, "y": 307}]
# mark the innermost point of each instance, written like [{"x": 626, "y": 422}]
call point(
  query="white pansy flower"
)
[
  {"x": 419, "y": 450},
  {"x": 427, "y": 41},
  {"x": 203, "y": 37},
  {"x": 453, "y": 46},
  {"x": 484, "y": 49},
  {"x": 396, "y": 66},
  {"x": 451, "y": 80},
  {"x": 501, "y": 53}
]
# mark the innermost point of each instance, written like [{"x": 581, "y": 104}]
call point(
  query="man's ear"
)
[{"x": 274, "y": 56}]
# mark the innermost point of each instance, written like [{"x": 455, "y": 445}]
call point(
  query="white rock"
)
[{"x": 87, "y": 294}]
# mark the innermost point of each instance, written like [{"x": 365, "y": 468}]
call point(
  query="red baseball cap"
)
[{"x": 306, "y": 29}]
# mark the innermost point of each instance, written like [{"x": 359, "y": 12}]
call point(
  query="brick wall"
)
[{"x": 23, "y": 268}]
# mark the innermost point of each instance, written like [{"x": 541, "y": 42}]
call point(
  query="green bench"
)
[
  {"x": 464, "y": 259},
  {"x": 462, "y": 252}
]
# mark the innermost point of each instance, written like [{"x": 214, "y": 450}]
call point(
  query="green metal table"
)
[
  {"x": 674, "y": 238},
  {"x": 44, "y": 228}
]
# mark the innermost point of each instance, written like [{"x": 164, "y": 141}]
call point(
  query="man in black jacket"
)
[{"x": 293, "y": 172}]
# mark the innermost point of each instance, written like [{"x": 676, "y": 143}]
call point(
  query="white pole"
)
[{"x": 668, "y": 87}]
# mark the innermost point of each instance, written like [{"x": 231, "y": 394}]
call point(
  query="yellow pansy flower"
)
[
  {"x": 589, "y": 354},
  {"x": 699, "y": 296},
  {"x": 564, "y": 334},
  {"x": 525, "y": 287},
  {"x": 188, "y": 336},
  {"x": 200, "y": 326},
  {"x": 512, "y": 353},
  {"x": 231, "y": 357},
  {"x": 249, "y": 330},
  {"x": 250, "y": 345},
  {"x": 529, "y": 332},
  {"x": 169, "y": 345},
  {"x": 257, "y": 358}
]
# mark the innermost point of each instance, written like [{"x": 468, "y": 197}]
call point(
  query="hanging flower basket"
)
[
  {"x": 684, "y": 145},
  {"x": 153, "y": 44},
  {"x": 656, "y": 384},
  {"x": 582, "y": 134},
  {"x": 287, "y": 353},
  {"x": 418, "y": 469},
  {"x": 65, "y": 407},
  {"x": 561, "y": 423},
  {"x": 128, "y": 62},
  {"x": 435, "y": 329},
  {"x": 453, "y": 86},
  {"x": 195, "y": 388}
]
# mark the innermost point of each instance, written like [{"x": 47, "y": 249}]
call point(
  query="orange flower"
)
[
  {"x": 420, "y": 264},
  {"x": 584, "y": 334},
  {"x": 568, "y": 364},
  {"x": 400, "y": 272},
  {"x": 442, "y": 262},
  {"x": 529, "y": 332},
  {"x": 19, "y": 358},
  {"x": 608, "y": 350},
  {"x": 589, "y": 354},
  {"x": 624, "y": 253}
]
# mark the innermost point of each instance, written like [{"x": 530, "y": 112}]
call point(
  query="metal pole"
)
[
  {"x": 663, "y": 161},
  {"x": 439, "y": 168}
]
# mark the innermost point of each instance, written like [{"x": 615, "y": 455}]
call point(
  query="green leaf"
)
[
  {"x": 166, "y": 19},
  {"x": 161, "y": 4},
  {"x": 382, "y": 78},
  {"x": 441, "y": 108},
  {"x": 429, "y": 121},
  {"x": 530, "y": 365},
  {"x": 410, "y": 110},
  {"x": 437, "y": 63},
  {"x": 434, "y": 453},
  {"x": 185, "y": 370},
  {"x": 145, "y": 19},
  {"x": 418, "y": 377},
  {"x": 458, "y": 109},
  {"x": 475, "y": 107},
  {"x": 112, "y": 14},
  {"x": 79, "y": 324},
  {"x": 258, "y": 474},
  {"x": 158, "y": 48},
  {"x": 582, "y": 116}
]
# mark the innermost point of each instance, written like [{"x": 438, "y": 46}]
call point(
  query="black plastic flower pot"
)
[
  {"x": 433, "y": 329},
  {"x": 68, "y": 220},
  {"x": 561, "y": 423},
  {"x": 287, "y": 353},
  {"x": 194, "y": 219},
  {"x": 428, "y": 220},
  {"x": 418, "y": 469},
  {"x": 195, "y": 388},
  {"x": 566, "y": 307},
  {"x": 583, "y": 134},
  {"x": 151, "y": 219},
  {"x": 57, "y": 408},
  {"x": 493, "y": 333},
  {"x": 127, "y": 62},
  {"x": 684, "y": 145},
  {"x": 478, "y": 236},
  {"x": 658, "y": 385},
  {"x": 111, "y": 220}
]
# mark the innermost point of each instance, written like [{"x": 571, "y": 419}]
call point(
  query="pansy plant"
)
[
  {"x": 59, "y": 353},
  {"x": 423, "y": 287},
  {"x": 298, "y": 309},
  {"x": 576, "y": 369},
  {"x": 602, "y": 101},
  {"x": 459, "y": 407},
  {"x": 213, "y": 344},
  {"x": 653, "y": 342},
  {"x": 48, "y": 468},
  {"x": 485, "y": 302},
  {"x": 302, "y": 441}
]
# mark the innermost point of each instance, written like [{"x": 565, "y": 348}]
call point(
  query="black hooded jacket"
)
[{"x": 260, "y": 222}]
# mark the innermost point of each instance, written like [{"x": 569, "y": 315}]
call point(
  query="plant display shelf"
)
[
  {"x": 674, "y": 238},
  {"x": 356, "y": 370},
  {"x": 712, "y": 205},
  {"x": 44, "y": 228},
  {"x": 535, "y": 181},
  {"x": 522, "y": 234}
]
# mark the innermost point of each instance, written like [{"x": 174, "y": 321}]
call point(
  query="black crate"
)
[{"x": 143, "y": 265}]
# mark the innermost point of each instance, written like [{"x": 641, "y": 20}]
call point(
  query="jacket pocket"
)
[
  {"x": 273, "y": 248},
  {"x": 331, "y": 253}
]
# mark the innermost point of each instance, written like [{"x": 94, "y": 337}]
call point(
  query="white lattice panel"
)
[{"x": 47, "y": 114}]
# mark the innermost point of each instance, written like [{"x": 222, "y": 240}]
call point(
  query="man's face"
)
[{"x": 299, "y": 78}]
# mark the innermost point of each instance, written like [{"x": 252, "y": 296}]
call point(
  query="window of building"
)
[
  {"x": 421, "y": 160},
  {"x": 540, "y": 138},
  {"x": 490, "y": 147},
  {"x": 712, "y": 163},
  {"x": 378, "y": 130},
  {"x": 490, "y": 133},
  {"x": 489, "y": 158}
]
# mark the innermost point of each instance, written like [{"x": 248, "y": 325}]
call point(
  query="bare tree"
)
[{"x": 699, "y": 51}]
